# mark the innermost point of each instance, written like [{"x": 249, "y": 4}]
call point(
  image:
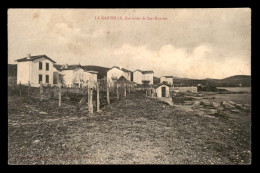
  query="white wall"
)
[
  {"x": 29, "y": 71},
  {"x": 138, "y": 77},
  {"x": 68, "y": 77},
  {"x": 35, "y": 72},
  {"x": 148, "y": 76},
  {"x": 23, "y": 72},
  {"x": 92, "y": 78},
  {"x": 79, "y": 76},
  {"x": 184, "y": 89}
]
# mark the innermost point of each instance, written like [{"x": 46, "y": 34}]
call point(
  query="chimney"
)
[{"x": 28, "y": 56}]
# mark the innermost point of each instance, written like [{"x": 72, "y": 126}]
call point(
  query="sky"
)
[{"x": 188, "y": 43}]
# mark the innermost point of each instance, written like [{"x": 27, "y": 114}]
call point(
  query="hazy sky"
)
[{"x": 193, "y": 43}]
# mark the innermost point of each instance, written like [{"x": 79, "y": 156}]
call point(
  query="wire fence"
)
[{"x": 94, "y": 95}]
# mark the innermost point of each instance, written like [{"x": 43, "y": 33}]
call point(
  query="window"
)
[
  {"x": 47, "y": 66},
  {"x": 40, "y": 78},
  {"x": 40, "y": 65},
  {"x": 47, "y": 78}
]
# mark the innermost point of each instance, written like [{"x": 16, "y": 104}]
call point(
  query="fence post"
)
[
  {"x": 41, "y": 91},
  {"x": 29, "y": 88},
  {"x": 108, "y": 101},
  {"x": 117, "y": 93},
  {"x": 98, "y": 103},
  {"x": 20, "y": 89},
  {"x": 59, "y": 94},
  {"x": 90, "y": 104},
  {"x": 88, "y": 95},
  {"x": 129, "y": 90},
  {"x": 124, "y": 90}
]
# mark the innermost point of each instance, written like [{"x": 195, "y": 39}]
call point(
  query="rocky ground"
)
[{"x": 204, "y": 128}]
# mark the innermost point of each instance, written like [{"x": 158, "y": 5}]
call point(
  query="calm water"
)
[{"x": 236, "y": 89}]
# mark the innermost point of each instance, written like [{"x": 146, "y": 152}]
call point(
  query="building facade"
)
[
  {"x": 35, "y": 69},
  {"x": 167, "y": 79},
  {"x": 114, "y": 73},
  {"x": 143, "y": 77},
  {"x": 76, "y": 76}
]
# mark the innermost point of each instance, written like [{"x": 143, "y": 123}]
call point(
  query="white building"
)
[
  {"x": 141, "y": 77},
  {"x": 35, "y": 69},
  {"x": 167, "y": 79},
  {"x": 76, "y": 76},
  {"x": 90, "y": 77},
  {"x": 115, "y": 73},
  {"x": 161, "y": 90}
]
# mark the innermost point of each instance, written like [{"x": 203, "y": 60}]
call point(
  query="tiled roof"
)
[
  {"x": 168, "y": 76},
  {"x": 32, "y": 58},
  {"x": 71, "y": 67},
  {"x": 57, "y": 67},
  {"x": 158, "y": 85},
  {"x": 144, "y": 72},
  {"x": 123, "y": 69},
  {"x": 90, "y": 71},
  {"x": 122, "y": 79}
]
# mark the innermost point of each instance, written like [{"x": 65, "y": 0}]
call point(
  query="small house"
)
[{"x": 160, "y": 90}]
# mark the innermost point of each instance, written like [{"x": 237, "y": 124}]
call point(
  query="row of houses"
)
[{"x": 42, "y": 69}]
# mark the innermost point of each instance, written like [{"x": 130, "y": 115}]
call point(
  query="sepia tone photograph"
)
[{"x": 129, "y": 86}]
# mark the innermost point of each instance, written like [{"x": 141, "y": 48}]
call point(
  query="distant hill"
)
[
  {"x": 156, "y": 80},
  {"x": 233, "y": 81},
  {"x": 102, "y": 71},
  {"x": 12, "y": 69}
]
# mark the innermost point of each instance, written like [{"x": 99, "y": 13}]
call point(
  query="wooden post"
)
[
  {"x": 29, "y": 88},
  {"x": 129, "y": 87},
  {"x": 88, "y": 89},
  {"x": 124, "y": 89},
  {"x": 117, "y": 93},
  {"x": 98, "y": 103},
  {"x": 146, "y": 92},
  {"x": 41, "y": 91},
  {"x": 108, "y": 101},
  {"x": 59, "y": 94},
  {"x": 90, "y": 104},
  {"x": 20, "y": 89}
]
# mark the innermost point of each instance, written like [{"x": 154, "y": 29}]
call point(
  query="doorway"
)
[{"x": 163, "y": 91}]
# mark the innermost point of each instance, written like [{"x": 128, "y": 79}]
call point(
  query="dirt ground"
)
[{"x": 132, "y": 130}]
